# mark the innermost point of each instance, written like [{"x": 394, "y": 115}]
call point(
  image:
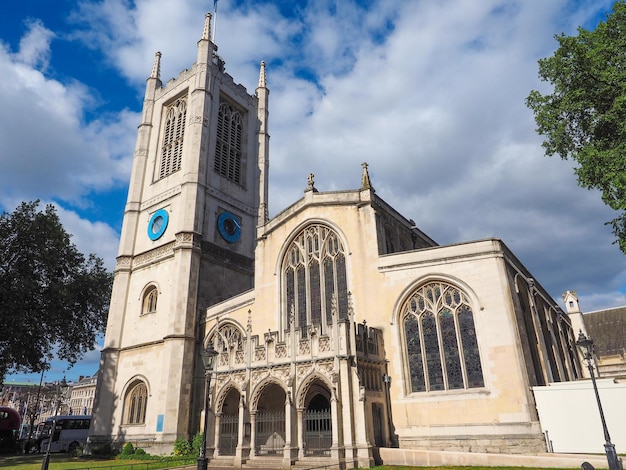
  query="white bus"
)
[{"x": 70, "y": 433}]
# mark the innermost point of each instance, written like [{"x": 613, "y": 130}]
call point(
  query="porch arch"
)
[
  {"x": 317, "y": 418},
  {"x": 227, "y": 420},
  {"x": 269, "y": 418}
]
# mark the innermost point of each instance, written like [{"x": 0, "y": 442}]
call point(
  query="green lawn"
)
[
  {"x": 65, "y": 462},
  {"x": 392, "y": 467}
]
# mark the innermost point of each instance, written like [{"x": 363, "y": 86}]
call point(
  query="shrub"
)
[
  {"x": 196, "y": 443},
  {"x": 182, "y": 447},
  {"x": 75, "y": 450},
  {"x": 139, "y": 451},
  {"x": 103, "y": 450},
  {"x": 128, "y": 449}
]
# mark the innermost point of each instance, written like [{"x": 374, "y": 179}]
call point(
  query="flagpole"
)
[{"x": 214, "y": 21}]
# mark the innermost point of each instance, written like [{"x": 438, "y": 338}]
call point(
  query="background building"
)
[{"x": 82, "y": 394}]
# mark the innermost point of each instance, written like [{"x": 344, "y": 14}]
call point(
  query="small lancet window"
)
[
  {"x": 150, "y": 300},
  {"x": 135, "y": 404}
]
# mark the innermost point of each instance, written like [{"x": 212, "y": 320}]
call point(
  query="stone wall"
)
[{"x": 507, "y": 444}]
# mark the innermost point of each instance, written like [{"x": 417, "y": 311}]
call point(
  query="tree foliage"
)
[
  {"x": 52, "y": 298},
  {"x": 584, "y": 118}
]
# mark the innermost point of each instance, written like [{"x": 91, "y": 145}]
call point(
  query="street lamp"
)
[
  {"x": 61, "y": 389},
  {"x": 208, "y": 360},
  {"x": 585, "y": 345}
]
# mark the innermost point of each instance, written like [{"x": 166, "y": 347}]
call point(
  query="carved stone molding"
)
[
  {"x": 325, "y": 368},
  {"x": 324, "y": 344},
  {"x": 190, "y": 239},
  {"x": 123, "y": 262},
  {"x": 281, "y": 351},
  {"x": 199, "y": 120},
  {"x": 161, "y": 197},
  {"x": 305, "y": 347},
  {"x": 153, "y": 255}
]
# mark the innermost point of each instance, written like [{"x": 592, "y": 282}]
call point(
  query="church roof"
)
[
  {"x": 365, "y": 195},
  {"x": 607, "y": 328}
]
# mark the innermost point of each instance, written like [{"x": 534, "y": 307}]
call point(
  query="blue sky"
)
[{"x": 430, "y": 94}]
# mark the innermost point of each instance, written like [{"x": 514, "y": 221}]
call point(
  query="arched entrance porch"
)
[
  {"x": 317, "y": 426},
  {"x": 269, "y": 422},
  {"x": 228, "y": 426}
]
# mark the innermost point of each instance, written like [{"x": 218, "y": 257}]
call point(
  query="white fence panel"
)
[{"x": 569, "y": 415}]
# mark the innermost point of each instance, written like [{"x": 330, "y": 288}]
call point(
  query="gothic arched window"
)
[
  {"x": 135, "y": 404},
  {"x": 172, "y": 149},
  {"x": 229, "y": 341},
  {"x": 149, "y": 304},
  {"x": 314, "y": 273},
  {"x": 440, "y": 337},
  {"x": 229, "y": 147}
]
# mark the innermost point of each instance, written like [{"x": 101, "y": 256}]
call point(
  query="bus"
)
[
  {"x": 69, "y": 435},
  {"x": 10, "y": 423}
]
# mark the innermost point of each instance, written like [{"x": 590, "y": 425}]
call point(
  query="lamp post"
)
[
  {"x": 35, "y": 412},
  {"x": 61, "y": 389},
  {"x": 585, "y": 345},
  {"x": 208, "y": 360}
]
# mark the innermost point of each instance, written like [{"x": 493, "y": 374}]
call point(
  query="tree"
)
[
  {"x": 53, "y": 300},
  {"x": 584, "y": 118}
]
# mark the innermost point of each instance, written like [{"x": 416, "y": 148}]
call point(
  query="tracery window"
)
[
  {"x": 314, "y": 277},
  {"x": 441, "y": 347},
  {"x": 228, "y": 341},
  {"x": 229, "y": 147},
  {"x": 172, "y": 149},
  {"x": 149, "y": 304},
  {"x": 135, "y": 404},
  {"x": 228, "y": 338}
]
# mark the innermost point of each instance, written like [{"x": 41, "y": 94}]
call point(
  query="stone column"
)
[
  {"x": 300, "y": 425},
  {"x": 364, "y": 448},
  {"x": 288, "y": 451},
  {"x": 252, "y": 434},
  {"x": 216, "y": 442},
  {"x": 239, "y": 457},
  {"x": 334, "y": 417}
]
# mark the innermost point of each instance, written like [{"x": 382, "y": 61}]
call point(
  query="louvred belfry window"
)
[
  {"x": 174, "y": 133},
  {"x": 229, "y": 145},
  {"x": 440, "y": 340}
]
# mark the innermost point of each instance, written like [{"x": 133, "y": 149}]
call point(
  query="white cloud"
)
[
  {"x": 50, "y": 152},
  {"x": 91, "y": 236},
  {"x": 35, "y": 45},
  {"x": 48, "y": 148}
]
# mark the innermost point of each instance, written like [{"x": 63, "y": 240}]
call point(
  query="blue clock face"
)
[
  {"x": 158, "y": 224},
  {"x": 229, "y": 227}
]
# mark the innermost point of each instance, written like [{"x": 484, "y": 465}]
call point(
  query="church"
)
[{"x": 339, "y": 326}]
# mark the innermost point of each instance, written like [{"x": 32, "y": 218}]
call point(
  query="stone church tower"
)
[{"x": 197, "y": 191}]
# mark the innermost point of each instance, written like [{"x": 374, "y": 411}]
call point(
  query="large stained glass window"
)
[
  {"x": 314, "y": 272},
  {"x": 440, "y": 338}
]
